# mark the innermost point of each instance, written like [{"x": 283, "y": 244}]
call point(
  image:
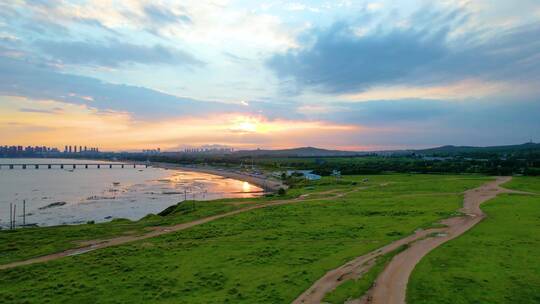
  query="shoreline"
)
[{"x": 262, "y": 182}]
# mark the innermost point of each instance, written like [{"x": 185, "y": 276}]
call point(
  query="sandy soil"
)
[{"x": 391, "y": 284}]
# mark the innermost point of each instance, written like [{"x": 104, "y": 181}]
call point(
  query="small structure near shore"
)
[{"x": 307, "y": 174}]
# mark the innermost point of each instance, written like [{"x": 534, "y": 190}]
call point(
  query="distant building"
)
[
  {"x": 210, "y": 149},
  {"x": 307, "y": 174},
  {"x": 28, "y": 151},
  {"x": 152, "y": 151},
  {"x": 336, "y": 173}
]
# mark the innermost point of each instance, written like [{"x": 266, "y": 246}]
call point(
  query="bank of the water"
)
[{"x": 263, "y": 181}]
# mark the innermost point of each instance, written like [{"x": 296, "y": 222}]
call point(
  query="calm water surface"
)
[{"x": 66, "y": 196}]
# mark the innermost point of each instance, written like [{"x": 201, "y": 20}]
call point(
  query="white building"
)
[{"x": 307, "y": 174}]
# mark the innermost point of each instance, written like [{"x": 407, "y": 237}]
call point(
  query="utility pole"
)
[
  {"x": 14, "y": 214},
  {"x": 10, "y": 216},
  {"x": 24, "y": 212}
]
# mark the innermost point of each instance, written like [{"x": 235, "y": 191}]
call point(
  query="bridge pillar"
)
[{"x": 37, "y": 166}]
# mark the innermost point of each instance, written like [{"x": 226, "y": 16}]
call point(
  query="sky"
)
[{"x": 343, "y": 74}]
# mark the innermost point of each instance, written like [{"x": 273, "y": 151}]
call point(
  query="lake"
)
[{"x": 70, "y": 196}]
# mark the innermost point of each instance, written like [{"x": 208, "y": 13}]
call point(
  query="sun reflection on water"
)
[{"x": 246, "y": 187}]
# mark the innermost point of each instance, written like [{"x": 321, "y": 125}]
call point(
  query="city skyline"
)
[
  {"x": 346, "y": 75},
  {"x": 47, "y": 149}
]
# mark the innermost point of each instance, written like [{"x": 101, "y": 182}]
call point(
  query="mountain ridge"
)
[{"x": 441, "y": 150}]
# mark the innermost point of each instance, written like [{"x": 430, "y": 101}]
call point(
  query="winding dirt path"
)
[
  {"x": 160, "y": 230},
  {"x": 391, "y": 284}
]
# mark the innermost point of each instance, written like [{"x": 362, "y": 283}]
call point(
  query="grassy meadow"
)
[
  {"x": 495, "y": 262},
  {"x": 26, "y": 243},
  {"x": 268, "y": 255},
  {"x": 355, "y": 289}
]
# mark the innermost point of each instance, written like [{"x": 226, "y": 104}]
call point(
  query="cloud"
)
[
  {"x": 21, "y": 78},
  {"x": 117, "y": 130},
  {"x": 43, "y": 82},
  {"x": 429, "y": 51},
  {"x": 207, "y": 22},
  {"x": 114, "y": 53},
  {"x": 422, "y": 123},
  {"x": 42, "y": 111},
  {"x": 163, "y": 15}
]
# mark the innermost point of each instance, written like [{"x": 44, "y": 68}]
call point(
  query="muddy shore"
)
[{"x": 262, "y": 181}]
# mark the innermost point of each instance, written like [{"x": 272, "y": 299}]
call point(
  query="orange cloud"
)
[{"x": 54, "y": 123}]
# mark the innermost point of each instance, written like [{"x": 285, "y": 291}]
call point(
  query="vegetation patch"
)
[
  {"x": 355, "y": 289},
  {"x": 268, "y": 255},
  {"x": 495, "y": 262}
]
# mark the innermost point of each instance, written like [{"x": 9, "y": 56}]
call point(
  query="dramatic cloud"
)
[
  {"x": 118, "y": 130},
  {"x": 338, "y": 74},
  {"x": 114, "y": 53},
  {"x": 338, "y": 59}
]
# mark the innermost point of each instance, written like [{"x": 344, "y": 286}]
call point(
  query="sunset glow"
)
[{"x": 143, "y": 74}]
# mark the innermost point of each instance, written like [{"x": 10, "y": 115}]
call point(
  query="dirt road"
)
[{"x": 391, "y": 285}]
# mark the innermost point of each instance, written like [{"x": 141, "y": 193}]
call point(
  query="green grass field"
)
[
  {"x": 26, "y": 243},
  {"x": 524, "y": 183},
  {"x": 30, "y": 242},
  {"x": 268, "y": 255},
  {"x": 495, "y": 262}
]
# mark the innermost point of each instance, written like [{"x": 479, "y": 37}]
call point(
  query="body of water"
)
[{"x": 70, "y": 196}]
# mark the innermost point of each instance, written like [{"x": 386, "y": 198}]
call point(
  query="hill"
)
[
  {"x": 296, "y": 152},
  {"x": 447, "y": 150},
  {"x": 463, "y": 150}
]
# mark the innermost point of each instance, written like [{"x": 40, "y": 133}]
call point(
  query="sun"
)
[{"x": 246, "y": 125}]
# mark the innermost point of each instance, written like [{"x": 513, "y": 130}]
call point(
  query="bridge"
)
[{"x": 73, "y": 166}]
